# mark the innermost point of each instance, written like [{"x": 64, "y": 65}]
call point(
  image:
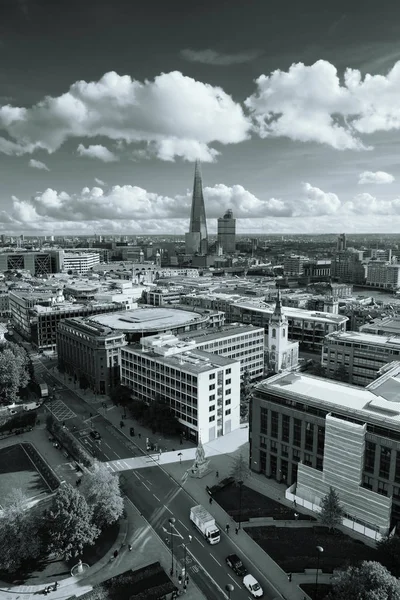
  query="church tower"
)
[{"x": 278, "y": 338}]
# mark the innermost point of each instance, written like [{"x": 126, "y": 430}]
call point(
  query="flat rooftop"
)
[
  {"x": 359, "y": 403},
  {"x": 386, "y": 324},
  {"x": 193, "y": 361},
  {"x": 148, "y": 318},
  {"x": 205, "y": 335},
  {"x": 292, "y": 313},
  {"x": 358, "y": 337}
]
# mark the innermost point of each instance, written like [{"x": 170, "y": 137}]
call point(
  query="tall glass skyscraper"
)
[{"x": 197, "y": 239}]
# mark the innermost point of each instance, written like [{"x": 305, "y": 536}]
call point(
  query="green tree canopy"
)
[
  {"x": 332, "y": 512},
  {"x": 70, "y": 522},
  {"x": 240, "y": 470},
  {"x": 122, "y": 395},
  {"x": 368, "y": 581},
  {"x": 389, "y": 554},
  {"x": 101, "y": 489},
  {"x": 14, "y": 371},
  {"x": 20, "y": 539}
]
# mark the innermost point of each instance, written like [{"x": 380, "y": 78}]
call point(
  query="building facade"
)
[
  {"x": 347, "y": 266},
  {"x": 202, "y": 389},
  {"x": 37, "y": 263},
  {"x": 356, "y": 356},
  {"x": 282, "y": 354},
  {"x": 311, "y": 433},
  {"x": 80, "y": 263},
  {"x": 383, "y": 275},
  {"x": 196, "y": 240},
  {"x": 87, "y": 350},
  {"x": 226, "y": 235}
]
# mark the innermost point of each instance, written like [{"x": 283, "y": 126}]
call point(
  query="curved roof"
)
[{"x": 148, "y": 319}]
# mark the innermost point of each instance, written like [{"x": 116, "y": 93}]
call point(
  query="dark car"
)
[
  {"x": 95, "y": 435},
  {"x": 234, "y": 562}
]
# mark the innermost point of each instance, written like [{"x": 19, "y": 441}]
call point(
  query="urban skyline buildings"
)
[
  {"x": 227, "y": 232},
  {"x": 197, "y": 239}
]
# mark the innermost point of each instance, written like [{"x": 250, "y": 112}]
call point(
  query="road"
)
[{"x": 157, "y": 496}]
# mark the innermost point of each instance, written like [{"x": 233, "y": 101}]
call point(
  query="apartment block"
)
[
  {"x": 202, "y": 389},
  {"x": 358, "y": 356}
]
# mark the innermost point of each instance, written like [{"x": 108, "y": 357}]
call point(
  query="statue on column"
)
[{"x": 200, "y": 466}]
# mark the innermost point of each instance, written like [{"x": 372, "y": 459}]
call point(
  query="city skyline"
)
[{"x": 105, "y": 108}]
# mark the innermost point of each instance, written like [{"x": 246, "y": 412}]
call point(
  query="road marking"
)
[
  {"x": 105, "y": 443},
  {"x": 218, "y": 563},
  {"x": 187, "y": 528},
  {"x": 147, "y": 488},
  {"x": 156, "y": 497},
  {"x": 234, "y": 580},
  {"x": 135, "y": 474},
  {"x": 168, "y": 509},
  {"x": 149, "y": 482},
  {"x": 107, "y": 457},
  {"x": 201, "y": 543}
]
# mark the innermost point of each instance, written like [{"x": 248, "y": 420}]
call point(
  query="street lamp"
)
[
  {"x": 171, "y": 525},
  {"x": 190, "y": 537},
  {"x": 319, "y": 552},
  {"x": 229, "y": 588},
  {"x": 240, "y": 483}
]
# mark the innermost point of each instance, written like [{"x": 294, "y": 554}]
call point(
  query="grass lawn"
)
[
  {"x": 253, "y": 505},
  {"x": 323, "y": 589},
  {"x": 17, "y": 471},
  {"x": 294, "y": 549}
]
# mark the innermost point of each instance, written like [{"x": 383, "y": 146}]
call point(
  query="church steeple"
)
[{"x": 278, "y": 316}]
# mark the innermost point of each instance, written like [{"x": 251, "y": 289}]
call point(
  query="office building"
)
[
  {"x": 317, "y": 270},
  {"x": 37, "y": 263},
  {"x": 88, "y": 350},
  {"x": 196, "y": 240},
  {"x": 356, "y": 356},
  {"x": 347, "y": 266},
  {"x": 312, "y": 433},
  {"x": 293, "y": 265},
  {"x": 341, "y": 243},
  {"x": 202, "y": 389},
  {"x": 80, "y": 263},
  {"x": 226, "y": 236},
  {"x": 386, "y": 326},
  {"x": 383, "y": 275}
]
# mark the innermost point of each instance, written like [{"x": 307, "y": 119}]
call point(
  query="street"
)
[{"x": 156, "y": 495}]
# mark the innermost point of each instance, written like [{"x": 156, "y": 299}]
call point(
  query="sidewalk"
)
[{"x": 148, "y": 548}]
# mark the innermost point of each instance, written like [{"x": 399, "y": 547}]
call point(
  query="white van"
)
[{"x": 31, "y": 406}]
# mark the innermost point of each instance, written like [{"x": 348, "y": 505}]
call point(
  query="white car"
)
[{"x": 251, "y": 584}]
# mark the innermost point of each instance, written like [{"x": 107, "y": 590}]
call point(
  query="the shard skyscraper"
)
[{"x": 196, "y": 240}]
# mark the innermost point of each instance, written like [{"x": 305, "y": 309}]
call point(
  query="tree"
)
[
  {"x": 70, "y": 522},
  {"x": 14, "y": 371},
  {"x": 20, "y": 540},
  {"x": 331, "y": 509},
  {"x": 121, "y": 394},
  {"x": 240, "y": 469},
  {"x": 368, "y": 581},
  {"x": 388, "y": 551},
  {"x": 84, "y": 382},
  {"x": 102, "y": 492}
]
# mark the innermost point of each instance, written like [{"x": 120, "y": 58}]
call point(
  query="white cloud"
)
[
  {"x": 97, "y": 151},
  {"x": 177, "y": 115},
  {"x": 316, "y": 202},
  {"x": 218, "y": 59},
  {"x": 99, "y": 181},
  {"x": 378, "y": 177},
  {"x": 310, "y": 104},
  {"x": 37, "y": 164}
]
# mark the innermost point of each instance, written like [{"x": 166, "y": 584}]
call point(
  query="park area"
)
[
  {"x": 17, "y": 471},
  {"x": 294, "y": 549},
  {"x": 253, "y": 505}
]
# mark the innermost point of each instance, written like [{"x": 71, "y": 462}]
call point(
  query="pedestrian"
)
[
  {"x": 289, "y": 577},
  {"x": 236, "y": 530},
  {"x": 130, "y": 547},
  {"x": 45, "y": 591},
  {"x": 210, "y": 501},
  {"x": 181, "y": 442},
  {"x": 55, "y": 586},
  {"x": 140, "y": 435},
  {"x": 115, "y": 553},
  {"x": 216, "y": 474},
  {"x": 227, "y": 528}
]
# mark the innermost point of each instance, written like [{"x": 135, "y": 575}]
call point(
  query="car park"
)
[
  {"x": 251, "y": 584},
  {"x": 95, "y": 435},
  {"x": 234, "y": 563}
]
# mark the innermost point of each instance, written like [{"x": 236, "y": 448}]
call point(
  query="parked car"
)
[
  {"x": 234, "y": 563},
  {"x": 251, "y": 584},
  {"x": 95, "y": 435}
]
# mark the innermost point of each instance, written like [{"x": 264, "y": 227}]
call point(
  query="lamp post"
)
[
  {"x": 229, "y": 588},
  {"x": 240, "y": 483},
  {"x": 171, "y": 525},
  {"x": 190, "y": 537},
  {"x": 319, "y": 552}
]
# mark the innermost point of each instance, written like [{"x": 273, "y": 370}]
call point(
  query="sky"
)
[{"x": 292, "y": 107}]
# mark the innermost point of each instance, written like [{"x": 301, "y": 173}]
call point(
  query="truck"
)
[
  {"x": 205, "y": 523},
  {"x": 44, "y": 390}
]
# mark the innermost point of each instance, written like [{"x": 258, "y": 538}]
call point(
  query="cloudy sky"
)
[{"x": 292, "y": 107}]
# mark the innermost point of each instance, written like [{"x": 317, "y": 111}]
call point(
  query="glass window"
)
[
  {"x": 285, "y": 428},
  {"x": 264, "y": 421},
  {"x": 369, "y": 463},
  {"x": 384, "y": 462},
  {"x": 274, "y": 424}
]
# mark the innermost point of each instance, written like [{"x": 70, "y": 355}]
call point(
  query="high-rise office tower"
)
[
  {"x": 196, "y": 241},
  {"x": 227, "y": 232},
  {"x": 341, "y": 242}
]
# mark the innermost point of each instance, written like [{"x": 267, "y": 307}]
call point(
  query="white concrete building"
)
[
  {"x": 80, "y": 263},
  {"x": 282, "y": 354},
  {"x": 383, "y": 274},
  {"x": 202, "y": 389}
]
